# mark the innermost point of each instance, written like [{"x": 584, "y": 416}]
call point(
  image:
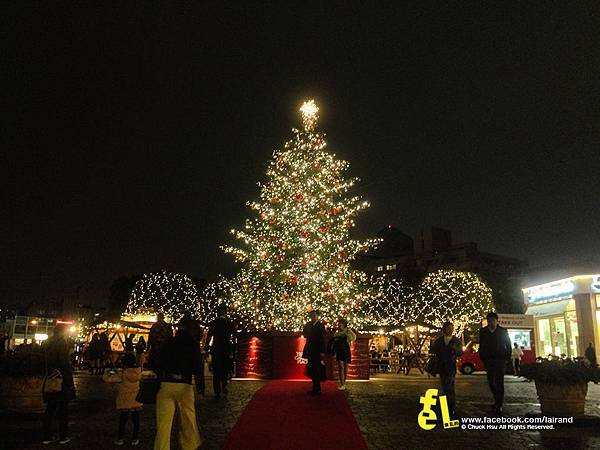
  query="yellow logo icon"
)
[{"x": 427, "y": 417}]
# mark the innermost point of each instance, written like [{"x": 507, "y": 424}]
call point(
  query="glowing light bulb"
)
[{"x": 309, "y": 108}]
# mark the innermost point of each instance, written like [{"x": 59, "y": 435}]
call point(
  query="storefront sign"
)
[
  {"x": 515, "y": 320},
  {"x": 551, "y": 290},
  {"x": 596, "y": 283}
]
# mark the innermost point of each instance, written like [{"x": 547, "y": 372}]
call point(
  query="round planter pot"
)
[
  {"x": 21, "y": 394},
  {"x": 562, "y": 399}
]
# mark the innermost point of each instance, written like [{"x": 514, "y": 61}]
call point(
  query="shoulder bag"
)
[{"x": 53, "y": 381}]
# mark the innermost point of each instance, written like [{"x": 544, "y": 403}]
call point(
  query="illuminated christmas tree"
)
[
  {"x": 163, "y": 292},
  {"x": 296, "y": 250}
]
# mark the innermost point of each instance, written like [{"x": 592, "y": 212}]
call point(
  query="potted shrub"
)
[
  {"x": 561, "y": 385},
  {"x": 21, "y": 379}
]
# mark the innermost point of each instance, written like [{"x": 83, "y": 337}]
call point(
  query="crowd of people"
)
[
  {"x": 98, "y": 353},
  {"x": 175, "y": 356},
  {"x": 175, "y": 359}
]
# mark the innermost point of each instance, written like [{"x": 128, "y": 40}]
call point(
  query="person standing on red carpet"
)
[{"x": 314, "y": 351}]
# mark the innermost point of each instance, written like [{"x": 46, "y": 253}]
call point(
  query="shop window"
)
[
  {"x": 379, "y": 268},
  {"x": 521, "y": 337},
  {"x": 544, "y": 335},
  {"x": 559, "y": 336},
  {"x": 597, "y": 320},
  {"x": 390, "y": 267},
  {"x": 573, "y": 333}
]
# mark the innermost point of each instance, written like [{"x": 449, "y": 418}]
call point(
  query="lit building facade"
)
[{"x": 566, "y": 313}]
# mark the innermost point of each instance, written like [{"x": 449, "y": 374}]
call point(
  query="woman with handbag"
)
[{"x": 58, "y": 387}]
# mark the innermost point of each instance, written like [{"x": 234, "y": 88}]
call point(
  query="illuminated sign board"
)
[
  {"x": 551, "y": 290},
  {"x": 513, "y": 321},
  {"x": 579, "y": 284},
  {"x": 596, "y": 283}
]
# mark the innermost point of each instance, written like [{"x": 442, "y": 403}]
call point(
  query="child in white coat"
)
[{"x": 129, "y": 386}]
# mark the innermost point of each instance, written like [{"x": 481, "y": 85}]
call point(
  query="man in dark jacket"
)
[
  {"x": 495, "y": 351},
  {"x": 314, "y": 351},
  {"x": 159, "y": 335},
  {"x": 447, "y": 348},
  {"x": 192, "y": 325},
  {"x": 220, "y": 331},
  {"x": 590, "y": 354},
  {"x": 57, "y": 357},
  {"x": 195, "y": 331}
]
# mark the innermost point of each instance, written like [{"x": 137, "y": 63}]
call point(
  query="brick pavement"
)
[{"x": 386, "y": 409}]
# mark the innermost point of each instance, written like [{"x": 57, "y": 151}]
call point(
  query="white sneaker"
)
[
  {"x": 342, "y": 387},
  {"x": 135, "y": 442},
  {"x": 49, "y": 441},
  {"x": 119, "y": 442},
  {"x": 65, "y": 440}
]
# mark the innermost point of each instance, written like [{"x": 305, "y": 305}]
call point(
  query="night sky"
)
[{"x": 135, "y": 135}]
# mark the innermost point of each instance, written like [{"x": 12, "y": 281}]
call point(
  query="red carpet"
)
[{"x": 281, "y": 416}]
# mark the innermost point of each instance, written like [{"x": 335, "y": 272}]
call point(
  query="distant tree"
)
[
  {"x": 120, "y": 290},
  {"x": 391, "y": 302},
  {"x": 172, "y": 294},
  {"x": 463, "y": 298}
]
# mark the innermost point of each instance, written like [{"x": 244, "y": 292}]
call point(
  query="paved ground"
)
[
  {"x": 94, "y": 418},
  {"x": 386, "y": 409}
]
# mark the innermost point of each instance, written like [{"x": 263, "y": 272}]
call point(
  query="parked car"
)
[{"x": 470, "y": 361}]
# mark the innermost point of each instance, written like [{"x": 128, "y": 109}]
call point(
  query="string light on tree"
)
[
  {"x": 296, "y": 249},
  {"x": 163, "y": 292},
  {"x": 213, "y": 295},
  {"x": 463, "y": 298},
  {"x": 392, "y": 302}
]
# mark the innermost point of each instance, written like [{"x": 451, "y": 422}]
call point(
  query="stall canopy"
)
[{"x": 548, "y": 309}]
